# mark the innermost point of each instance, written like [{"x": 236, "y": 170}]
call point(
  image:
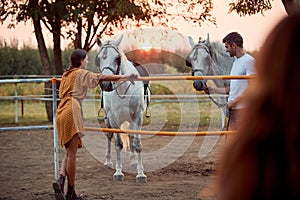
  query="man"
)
[{"x": 243, "y": 65}]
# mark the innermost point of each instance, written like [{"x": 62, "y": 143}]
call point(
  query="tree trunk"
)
[
  {"x": 56, "y": 47},
  {"x": 77, "y": 42},
  {"x": 45, "y": 62}
]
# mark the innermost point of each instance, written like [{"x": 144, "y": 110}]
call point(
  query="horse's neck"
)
[
  {"x": 127, "y": 67},
  {"x": 222, "y": 68},
  {"x": 222, "y": 64}
]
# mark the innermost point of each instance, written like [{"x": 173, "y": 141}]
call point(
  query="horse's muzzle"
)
[
  {"x": 106, "y": 86},
  {"x": 199, "y": 85}
]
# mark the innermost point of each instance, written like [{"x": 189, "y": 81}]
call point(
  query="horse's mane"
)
[{"x": 221, "y": 57}]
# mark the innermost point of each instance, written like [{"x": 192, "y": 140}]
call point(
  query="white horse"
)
[
  {"x": 210, "y": 58},
  {"x": 124, "y": 105}
]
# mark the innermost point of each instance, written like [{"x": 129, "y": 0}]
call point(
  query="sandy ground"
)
[{"x": 27, "y": 168}]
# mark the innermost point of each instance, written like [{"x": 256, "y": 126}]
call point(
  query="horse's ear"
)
[
  {"x": 191, "y": 41},
  {"x": 118, "y": 41},
  {"x": 207, "y": 39},
  {"x": 98, "y": 42}
]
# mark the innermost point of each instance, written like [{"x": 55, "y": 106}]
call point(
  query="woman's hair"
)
[
  {"x": 234, "y": 37},
  {"x": 263, "y": 162},
  {"x": 77, "y": 56}
]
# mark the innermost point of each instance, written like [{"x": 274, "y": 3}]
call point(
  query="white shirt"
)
[{"x": 241, "y": 66}]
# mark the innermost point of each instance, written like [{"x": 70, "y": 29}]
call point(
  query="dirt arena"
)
[{"x": 27, "y": 170}]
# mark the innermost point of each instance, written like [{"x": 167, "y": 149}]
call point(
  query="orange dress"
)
[{"x": 72, "y": 90}]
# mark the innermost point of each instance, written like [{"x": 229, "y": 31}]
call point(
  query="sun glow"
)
[{"x": 146, "y": 46}]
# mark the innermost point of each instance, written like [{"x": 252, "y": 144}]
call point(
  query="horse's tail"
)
[{"x": 125, "y": 137}]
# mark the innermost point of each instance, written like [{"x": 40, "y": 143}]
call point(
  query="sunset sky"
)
[{"x": 254, "y": 29}]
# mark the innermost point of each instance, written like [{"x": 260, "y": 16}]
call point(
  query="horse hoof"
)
[
  {"x": 118, "y": 177},
  {"x": 141, "y": 179},
  {"x": 108, "y": 165}
]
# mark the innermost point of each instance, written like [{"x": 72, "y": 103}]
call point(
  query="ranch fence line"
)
[
  {"x": 54, "y": 100},
  {"x": 42, "y": 79}
]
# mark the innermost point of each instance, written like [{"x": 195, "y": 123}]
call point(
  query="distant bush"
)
[
  {"x": 14, "y": 61},
  {"x": 158, "y": 89},
  {"x": 26, "y": 60}
]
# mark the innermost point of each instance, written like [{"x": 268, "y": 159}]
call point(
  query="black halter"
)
[
  {"x": 104, "y": 56},
  {"x": 111, "y": 86},
  {"x": 188, "y": 63},
  {"x": 196, "y": 47}
]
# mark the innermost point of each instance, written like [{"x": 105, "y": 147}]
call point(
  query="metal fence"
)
[{"x": 53, "y": 97}]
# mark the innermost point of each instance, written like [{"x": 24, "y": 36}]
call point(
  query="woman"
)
[
  {"x": 263, "y": 161},
  {"x": 73, "y": 89}
]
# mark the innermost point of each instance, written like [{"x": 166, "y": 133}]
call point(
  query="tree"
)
[
  {"x": 251, "y": 7},
  {"x": 93, "y": 17},
  {"x": 84, "y": 20}
]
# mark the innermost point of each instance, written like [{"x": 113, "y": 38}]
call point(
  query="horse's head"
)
[
  {"x": 200, "y": 61},
  {"x": 108, "y": 59}
]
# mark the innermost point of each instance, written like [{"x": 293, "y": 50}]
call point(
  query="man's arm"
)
[{"x": 215, "y": 90}]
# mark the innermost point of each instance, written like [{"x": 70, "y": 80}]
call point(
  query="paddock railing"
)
[{"x": 54, "y": 100}]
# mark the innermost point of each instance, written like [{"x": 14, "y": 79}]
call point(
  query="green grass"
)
[{"x": 33, "y": 112}]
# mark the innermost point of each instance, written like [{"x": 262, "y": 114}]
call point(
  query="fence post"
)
[
  {"x": 54, "y": 104},
  {"x": 16, "y": 103}
]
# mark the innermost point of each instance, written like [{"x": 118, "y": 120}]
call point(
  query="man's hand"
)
[
  {"x": 229, "y": 105},
  {"x": 209, "y": 90}
]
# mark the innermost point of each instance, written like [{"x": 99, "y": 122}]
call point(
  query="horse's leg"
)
[
  {"x": 108, "y": 163},
  {"x": 141, "y": 177},
  {"x": 118, "y": 175},
  {"x": 137, "y": 146},
  {"x": 133, "y": 161}
]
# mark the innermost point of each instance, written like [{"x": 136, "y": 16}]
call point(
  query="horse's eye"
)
[{"x": 188, "y": 63}]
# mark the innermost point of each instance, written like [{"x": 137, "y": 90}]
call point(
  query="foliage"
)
[
  {"x": 252, "y": 7},
  {"x": 83, "y": 21},
  {"x": 158, "y": 89},
  {"x": 99, "y": 17},
  {"x": 19, "y": 62},
  {"x": 26, "y": 60},
  {"x": 246, "y": 7}
]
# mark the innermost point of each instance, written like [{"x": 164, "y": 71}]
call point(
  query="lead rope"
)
[
  {"x": 101, "y": 111},
  {"x": 219, "y": 106},
  {"x": 212, "y": 99}
]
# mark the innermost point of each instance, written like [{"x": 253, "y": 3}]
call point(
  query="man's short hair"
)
[{"x": 234, "y": 37}]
